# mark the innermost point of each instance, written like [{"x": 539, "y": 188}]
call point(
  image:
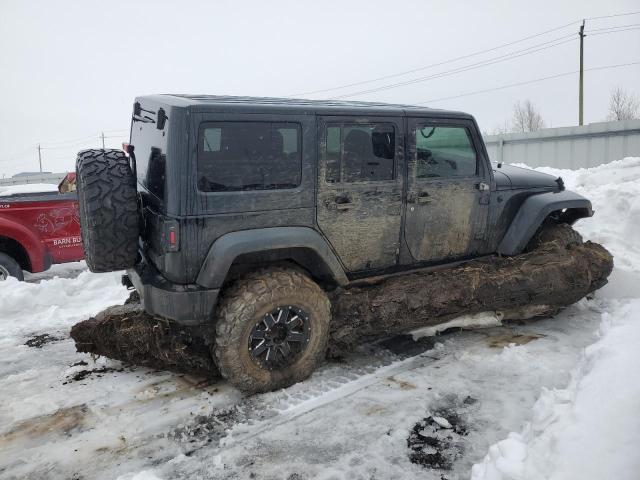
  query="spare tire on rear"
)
[{"x": 107, "y": 198}]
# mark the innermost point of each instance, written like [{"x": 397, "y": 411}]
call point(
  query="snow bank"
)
[
  {"x": 591, "y": 429},
  {"x": 56, "y": 302},
  {"x": 7, "y": 190},
  {"x": 476, "y": 320},
  {"x": 614, "y": 191},
  {"x": 144, "y": 475}
]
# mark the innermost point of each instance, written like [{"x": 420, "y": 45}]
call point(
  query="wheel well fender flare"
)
[
  {"x": 533, "y": 212},
  {"x": 28, "y": 241},
  {"x": 231, "y": 245}
]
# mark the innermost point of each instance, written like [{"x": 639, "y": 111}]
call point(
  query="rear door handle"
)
[
  {"x": 339, "y": 203},
  {"x": 422, "y": 198}
]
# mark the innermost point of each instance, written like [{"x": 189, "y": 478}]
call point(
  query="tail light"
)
[{"x": 171, "y": 235}]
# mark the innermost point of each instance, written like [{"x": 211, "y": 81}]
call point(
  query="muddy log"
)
[
  {"x": 127, "y": 333},
  {"x": 538, "y": 283}
]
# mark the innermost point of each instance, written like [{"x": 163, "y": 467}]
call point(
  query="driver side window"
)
[{"x": 444, "y": 151}]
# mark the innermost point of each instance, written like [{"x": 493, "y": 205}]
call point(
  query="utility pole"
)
[
  {"x": 581, "y": 93},
  {"x": 40, "y": 157},
  {"x": 102, "y": 137}
]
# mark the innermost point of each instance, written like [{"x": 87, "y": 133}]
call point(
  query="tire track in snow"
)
[{"x": 255, "y": 415}]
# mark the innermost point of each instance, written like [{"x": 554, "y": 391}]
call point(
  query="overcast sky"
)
[{"x": 70, "y": 69}]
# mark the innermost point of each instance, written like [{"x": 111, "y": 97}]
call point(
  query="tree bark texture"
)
[{"x": 537, "y": 283}]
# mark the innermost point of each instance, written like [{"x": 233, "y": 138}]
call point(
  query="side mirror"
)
[{"x": 161, "y": 119}]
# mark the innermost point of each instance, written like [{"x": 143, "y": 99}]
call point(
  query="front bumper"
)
[{"x": 184, "y": 304}]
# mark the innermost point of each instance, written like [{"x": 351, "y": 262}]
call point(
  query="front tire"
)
[
  {"x": 9, "y": 268},
  {"x": 561, "y": 234},
  {"x": 272, "y": 330}
]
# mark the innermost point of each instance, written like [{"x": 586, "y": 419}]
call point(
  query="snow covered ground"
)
[
  {"x": 553, "y": 399},
  {"x": 6, "y": 190}
]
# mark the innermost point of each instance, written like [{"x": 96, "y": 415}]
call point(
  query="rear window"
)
[
  {"x": 360, "y": 152},
  {"x": 151, "y": 158},
  {"x": 237, "y": 156}
]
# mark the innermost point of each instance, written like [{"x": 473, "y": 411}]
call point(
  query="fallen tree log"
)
[
  {"x": 127, "y": 333},
  {"x": 537, "y": 283}
]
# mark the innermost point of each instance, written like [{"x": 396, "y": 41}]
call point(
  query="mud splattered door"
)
[
  {"x": 447, "y": 190},
  {"x": 360, "y": 189}
]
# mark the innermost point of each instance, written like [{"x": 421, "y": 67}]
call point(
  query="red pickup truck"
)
[{"x": 38, "y": 229}]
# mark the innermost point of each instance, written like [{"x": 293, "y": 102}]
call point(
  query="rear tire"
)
[
  {"x": 9, "y": 268},
  {"x": 241, "y": 316},
  {"x": 109, "y": 220}
]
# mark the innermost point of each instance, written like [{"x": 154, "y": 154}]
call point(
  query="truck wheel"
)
[
  {"x": 107, "y": 200},
  {"x": 272, "y": 330},
  {"x": 561, "y": 233},
  {"x": 9, "y": 268}
]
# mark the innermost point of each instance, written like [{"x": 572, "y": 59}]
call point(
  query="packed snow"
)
[
  {"x": 6, "y": 190},
  {"x": 591, "y": 428},
  {"x": 557, "y": 398}
]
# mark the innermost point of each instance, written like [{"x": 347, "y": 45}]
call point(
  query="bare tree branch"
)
[
  {"x": 623, "y": 105},
  {"x": 526, "y": 118}
]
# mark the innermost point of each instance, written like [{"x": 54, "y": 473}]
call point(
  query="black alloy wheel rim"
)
[{"x": 280, "y": 337}]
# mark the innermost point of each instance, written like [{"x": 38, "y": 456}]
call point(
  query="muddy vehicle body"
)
[{"x": 242, "y": 213}]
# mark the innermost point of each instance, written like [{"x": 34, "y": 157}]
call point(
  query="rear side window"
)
[
  {"x": 155, "y": 176},
  {"x": 444, "y": 151},
  {"x": 358, "y": 152},
  {"x": 236, "y": 156}
]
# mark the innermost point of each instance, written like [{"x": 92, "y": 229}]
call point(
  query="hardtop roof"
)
[{"x": 294, "y": 105}]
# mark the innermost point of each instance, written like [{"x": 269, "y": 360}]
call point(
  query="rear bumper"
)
[{"x": 184, "y": 304}]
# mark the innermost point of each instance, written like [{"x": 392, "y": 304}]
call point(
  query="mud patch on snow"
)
[
  {"x": 404, "y": 385},
  {"x": 502, "y": 341},
  {"x": 38, "y": 341},
  {"x": 205, "y": 429},
  {"x": 61, "y": 422},
  {"x": 83, "y": 374},
  {"x": 406, "y": 346},
  {"x": 437, "y": 441}
]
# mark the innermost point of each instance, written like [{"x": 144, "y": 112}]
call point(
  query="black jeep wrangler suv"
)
[{"x": 242, "y": 212}]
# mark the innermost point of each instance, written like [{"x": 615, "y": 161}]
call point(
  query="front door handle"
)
[
  {"x": 421, "y": 198},
  {"x": 339, "y": 203}
]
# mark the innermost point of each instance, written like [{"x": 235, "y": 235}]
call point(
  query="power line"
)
[
  {"x": 616, "y": 27},
  {"x": 76, "y": 140},
  {"x": 614, "y": 31},
  {"x": 605, "y": 67},
  {"x": 614, "y": 15},
  {"x": 502, "y": 58},
  {"x": 62, "y": 145},
  {"x": 23, "y": 153},
  {"x": 484, "y": 63},
  {"x": 425, "y": 67},
  {"x": 84, "y": 142},
  {"x": 80, "y": 139},
  {"x": 479, "y": 52}
]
